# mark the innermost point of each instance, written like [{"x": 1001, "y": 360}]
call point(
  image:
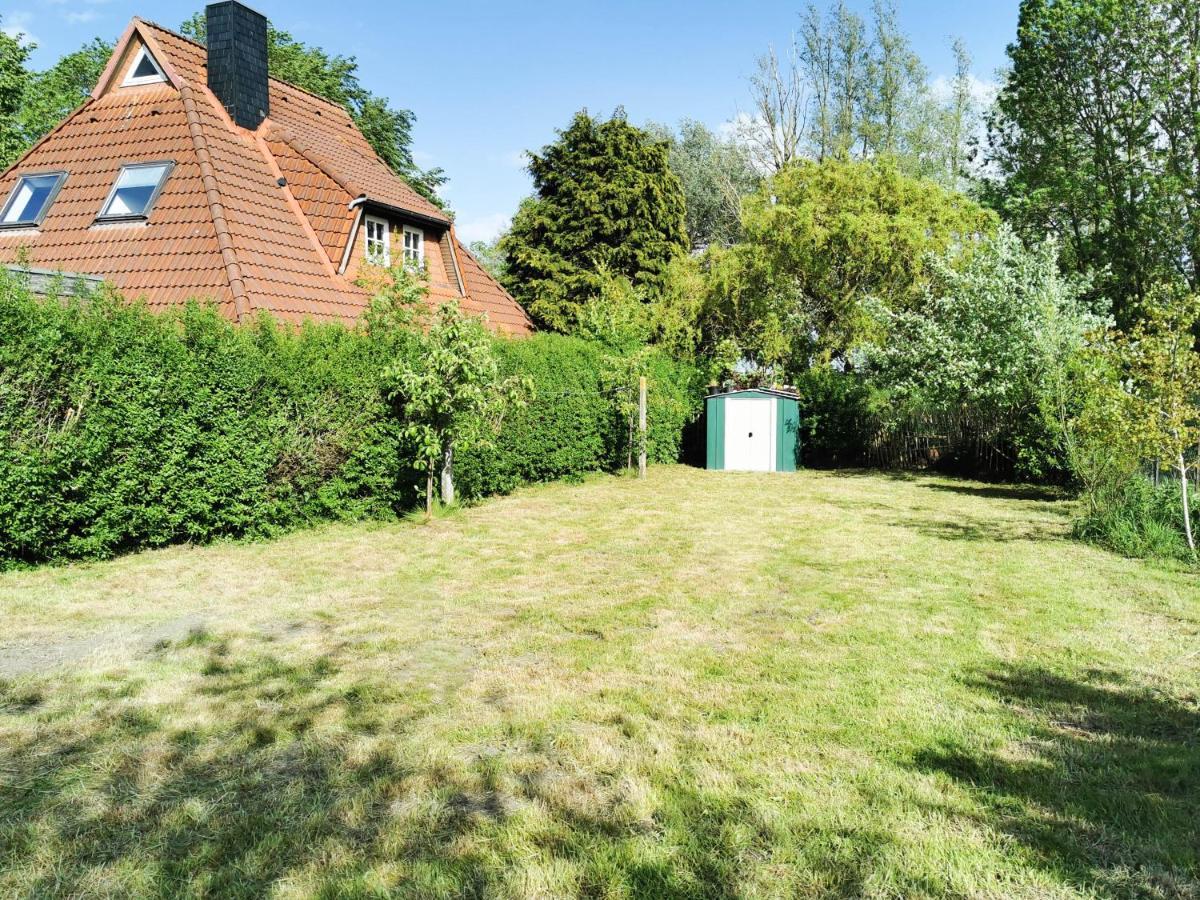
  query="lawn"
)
[{"x": 701, "y": 685}]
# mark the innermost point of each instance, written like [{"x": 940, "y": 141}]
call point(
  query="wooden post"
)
[{"x": 642, "y": 426}]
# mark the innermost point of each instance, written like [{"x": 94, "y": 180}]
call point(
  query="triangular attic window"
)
[{"x": 145, "y": 70}]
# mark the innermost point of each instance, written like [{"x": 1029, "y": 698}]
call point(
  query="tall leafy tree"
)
[
  {"x": 335, "y": 77},
  {"x": 52, "y": 95},
  {"x": 715, "y": 174},
  {"x": 821, "y": 240},
  {"x": 13, "y": 79},
  {"x": 1095, "y": 135},
  {"x": 605, "y": 200}
]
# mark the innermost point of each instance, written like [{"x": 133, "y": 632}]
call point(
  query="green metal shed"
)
[{"x": 753, "y": 430}]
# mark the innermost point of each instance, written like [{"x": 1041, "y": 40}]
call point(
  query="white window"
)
[
  {"x": 136, "y": 188},
  {"x": 31, "y": 198},
  {"x": 144, "y": 70},
  {"x": 379, "y": 241},
  {"x": 414, "y": 247}
]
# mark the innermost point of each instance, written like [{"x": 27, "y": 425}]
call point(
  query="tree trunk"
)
[
  {"x": 1187, "y": 510},
  {"x": 429, "y": 491},
  {"x": 448, "y": 474}
]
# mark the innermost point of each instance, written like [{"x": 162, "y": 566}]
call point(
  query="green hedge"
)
[{"x": 121, "y": 429}]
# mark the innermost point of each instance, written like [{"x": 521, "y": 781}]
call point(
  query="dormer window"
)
[
  {"x": 379, "y": 241},
  {"x": 414, "y": 247},
  {"x": 30, "y": 199},
  {"x": 144, "y": 70},
  {"x": 134, "y": 192}
]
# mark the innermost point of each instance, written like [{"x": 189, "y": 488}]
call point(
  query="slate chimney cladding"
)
[{"x": 237, "y": 61}]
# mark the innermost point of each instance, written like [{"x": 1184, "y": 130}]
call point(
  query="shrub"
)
[
  {"x": 1133, "y": 517},
  {"x": 121, "y": 428},
  {"x": 125, "y": 429}
]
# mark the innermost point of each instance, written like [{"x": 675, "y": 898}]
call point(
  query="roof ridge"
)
[
  {"x": 216, "y": 209},
  {"x": 277, "y": 80}
]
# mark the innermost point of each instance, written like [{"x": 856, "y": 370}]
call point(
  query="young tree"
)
[
  {"x": 961, "y": 116},
  {"x": 1160, "y": 393},
  {"x": 388, "y": 130},
  {"x": 604, "y": 198},
  {"x": 450, "y": 394}
]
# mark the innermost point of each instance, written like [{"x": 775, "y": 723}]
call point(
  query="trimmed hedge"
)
[{"x": 122, "y": 429}]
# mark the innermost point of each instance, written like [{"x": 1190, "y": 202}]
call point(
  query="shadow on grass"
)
[
  {"x": 1104, "y": 790},
  {"x": 1001, "y": 491},
  {"x": 968, "y": 529},
  {"x": 272, "y": 774}
]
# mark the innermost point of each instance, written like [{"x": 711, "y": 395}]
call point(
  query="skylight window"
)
[
  {"x": 135, "y": 191},
  {"x": 31, "y": 198},
  {"x": 145, "y": 70}
]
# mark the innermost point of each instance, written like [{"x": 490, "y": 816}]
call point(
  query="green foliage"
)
[
  {"x": 987, "y": 332},
  {"x": 715, "y": 175},
  {"x": 13, "y": 78},
  {"x": 450, "y": 394},
  {"x": 821, "y": 238},
  {"x": 605, "y": 199},
  {"x": 566, "y": 430},
  {"x": 491, "y": 257},
  {"x": 1134, "y": 517},
  {"x": 52, "y": 95},
  {"x": 124, "y": 429},
  {"x": 335, "y": 77},
  {"x": 1156, "y": 405},
  {"x": 1096, "y": 134}
]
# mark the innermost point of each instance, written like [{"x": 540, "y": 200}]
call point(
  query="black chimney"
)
[{"x": 237, "y": 61}]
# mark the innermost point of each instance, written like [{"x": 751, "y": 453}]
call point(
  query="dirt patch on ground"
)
[{"x": 37, "y": 656}]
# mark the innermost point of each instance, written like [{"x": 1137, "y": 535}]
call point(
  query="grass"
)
[{"x": 702, "y": 685}]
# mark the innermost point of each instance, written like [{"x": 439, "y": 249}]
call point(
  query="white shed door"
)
[{"x": 749, "y": 434}]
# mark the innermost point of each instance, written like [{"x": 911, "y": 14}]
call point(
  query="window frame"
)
[
  {"x": 386, "y": 226},
  {"x": 420, "y": 233},
  {"x": 160, "y": 77},
  {"x": 101, "y": 218},
  {"x": 40, "y": 217}
]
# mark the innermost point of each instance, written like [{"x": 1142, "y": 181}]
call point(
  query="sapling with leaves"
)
[
  {"x": 451, "y": 395},
  {"x": 1159, "y": 397}
]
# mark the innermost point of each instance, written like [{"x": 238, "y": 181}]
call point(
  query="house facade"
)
[{"x": 190, "y": 173}]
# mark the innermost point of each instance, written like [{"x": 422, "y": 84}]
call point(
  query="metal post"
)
[{"x": 642, "y": 426}]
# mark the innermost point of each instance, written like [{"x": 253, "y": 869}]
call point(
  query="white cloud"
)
[
  {"x": 982, "y": 92},
  {"x": 16, "y": 26},
  {"x": 485, "y": 228},
  {"x": 80, "y": 16}
]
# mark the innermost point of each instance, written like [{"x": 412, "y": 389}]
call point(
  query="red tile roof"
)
[{"x": 223, "y": 227}]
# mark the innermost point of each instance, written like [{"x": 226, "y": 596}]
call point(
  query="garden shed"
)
[{"x": 753, "y": 430}]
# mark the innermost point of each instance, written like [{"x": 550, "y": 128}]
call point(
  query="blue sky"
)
[{"x": 489, "y": 80}]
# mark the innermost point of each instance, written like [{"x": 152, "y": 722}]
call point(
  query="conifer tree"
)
[{"x": 605, "y": 200}]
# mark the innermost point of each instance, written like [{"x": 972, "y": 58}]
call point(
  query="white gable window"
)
[
  {"x": 30, "y": 199},
  {"x": 144, "y": 70},
  {"x": 135, "y": 190},
  {"x": 414, "y": 247},
  {"x": 379, "y": 241}
]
